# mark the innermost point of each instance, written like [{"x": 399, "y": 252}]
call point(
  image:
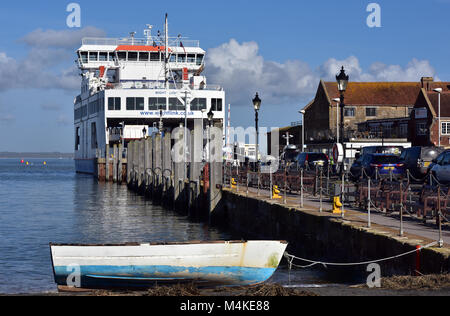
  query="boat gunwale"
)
[{"x": 137, "y": 244}]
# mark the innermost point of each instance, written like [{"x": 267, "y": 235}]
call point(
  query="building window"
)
[
  {"x": 175, "y": 104},
  {"x": 421, "y": 129},
  {"x": 135, "y": 104},
  {"x": 349, "y": 112},
  {"x": 114, "y": 104},
  {"x": 216, "y": 105},
  {"x": 371, "y": 111},
  {"x": 198, "y": 104},
  {"x": 157, "y": 104},
  {"x": 445, "y": 128}
]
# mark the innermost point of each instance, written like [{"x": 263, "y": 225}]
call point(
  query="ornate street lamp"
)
[
  {"x": 342, "y": 82},
  {"x": 257, "y": 106},
  {"x": 144, "y": 132}
]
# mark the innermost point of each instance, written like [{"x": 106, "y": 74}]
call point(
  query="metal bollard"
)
[
  {"x": 301, "y": 188},
  {"x": 369, "y": 222}
]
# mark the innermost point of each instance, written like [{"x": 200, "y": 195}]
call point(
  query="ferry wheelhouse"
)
[{"x": 132, "y": 86}]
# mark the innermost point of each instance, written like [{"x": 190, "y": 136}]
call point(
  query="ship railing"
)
[
  {"x": 138, "y": 84},
  {"x": 173, "y": 41}
]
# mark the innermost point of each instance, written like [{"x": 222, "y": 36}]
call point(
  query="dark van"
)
[{"x": 418, "y": 159}]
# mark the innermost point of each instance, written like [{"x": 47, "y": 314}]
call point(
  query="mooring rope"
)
[{"x": 291, "y": 258}]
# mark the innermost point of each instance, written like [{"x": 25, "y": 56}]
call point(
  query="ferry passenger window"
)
[
  {"x": 122, "y": 55},
  {"x": 114, "y": 104},
  {"x": 175, "y": 104},
  {"x": 84, "y": 57},
  {"x": 77, "y": 139},
  {"x": 198, "y": 104},
  {"x": 181, "y": 58},
  {"x": 157, "y": 104},
  {"x": 103, "y": 56},
  {"x": 143, "y": 56},
  {"x": 191, "y": 58},
  {"x": 93, "y": 56},
  {"x": 199, "y": 59},
  {"x": 93, "y": 136},
  {"x": 135, "y": 104},
  {"x": 140, "y": 104},
  {"x": 154, "y": 56},
  {"x": 132, "y": 56},
  {"x": 216, "y": 104}
]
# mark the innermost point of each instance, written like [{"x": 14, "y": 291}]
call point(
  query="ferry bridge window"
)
[
  {"x": 191, "y": 58},
  {"x": 154, "y": 56},
  {"x": 198, "y": 104},
  {"x": 173, "y": 58},
  {"x": 114, "y": 104},
  {"x": 157, "y": 104},
  {"x": 135, "y": 104},
  {"x": 84, "y": 57},
  {"x": 132, "y": 56},
  {"x": 175, "y": 104},
  {"x": 122, "y": 55},
  {"x": 93, "y": 56},
  {"x": 143, "y": 56},
  {"x": 216, "y": 104},
  {"x": 181, "y": 58},
  {"x": 103, "y": 56},
  {"x": 111, "y": 56},
  {"x": 199, "y": 59}
]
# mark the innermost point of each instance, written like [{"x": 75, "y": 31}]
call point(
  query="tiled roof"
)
[
  {"x": 445, "y": 102},
  {"x": 381, "y": 93}
]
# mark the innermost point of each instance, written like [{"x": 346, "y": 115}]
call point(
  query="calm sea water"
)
[{"x": 41, "y": 203}]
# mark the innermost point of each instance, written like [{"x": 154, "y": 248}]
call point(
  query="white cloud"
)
[
  {"x": 242, "y": 71},
  {"x": 49, "y": 62},
  {"x": 67, "y": 39}
]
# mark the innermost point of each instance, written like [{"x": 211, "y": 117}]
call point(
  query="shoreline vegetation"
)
[{"x": 35, "y": 155}]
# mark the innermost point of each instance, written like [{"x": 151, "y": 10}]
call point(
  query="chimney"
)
[{"x": 426, "y": 82}]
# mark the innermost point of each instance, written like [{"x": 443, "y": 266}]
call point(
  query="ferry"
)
[{"x": 131, "y": 86}]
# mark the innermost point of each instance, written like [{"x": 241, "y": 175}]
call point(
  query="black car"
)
[
  {"x": 311, "y": 160},
  {"x": 418, "y": 159}
]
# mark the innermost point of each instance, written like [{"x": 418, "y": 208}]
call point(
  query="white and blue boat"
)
[{"x": 222, "y": 263}]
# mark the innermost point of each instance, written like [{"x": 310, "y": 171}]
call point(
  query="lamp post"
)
[
  {"x": 257, "y": 106},
  {"x": 338, "y": 101},
  {"x": 302, "y": 112},
  {"x": 342, "y": 82},
  {"x": 439, "y": 90}
]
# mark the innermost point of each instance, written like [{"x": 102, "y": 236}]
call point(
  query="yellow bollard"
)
[
  {"x": 233, "y": 183},
  {"x": 337, "y": 205},
  {"x": 276, "y": 192}
]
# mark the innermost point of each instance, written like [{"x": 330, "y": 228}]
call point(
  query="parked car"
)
[
  {"x": 441, "y": 168},
  {"x": 385, "y": 163},
  {"x": 311, "y": 160},
  {"x": 417, "y": 159},
  {"x": 390, "y": 150}
]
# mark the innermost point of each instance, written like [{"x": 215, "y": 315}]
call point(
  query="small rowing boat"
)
[{"x": 140, "y": 265}]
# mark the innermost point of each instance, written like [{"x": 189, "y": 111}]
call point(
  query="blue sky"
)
[{"x": 279, "y": 48}]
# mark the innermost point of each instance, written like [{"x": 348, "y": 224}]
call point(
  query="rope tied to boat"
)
[{"x": 290, "y": 258}]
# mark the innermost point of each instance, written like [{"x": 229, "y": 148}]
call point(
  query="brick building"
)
[
  {"x": 424, "y": 121},
  {"x": 363, "y": 101}
]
